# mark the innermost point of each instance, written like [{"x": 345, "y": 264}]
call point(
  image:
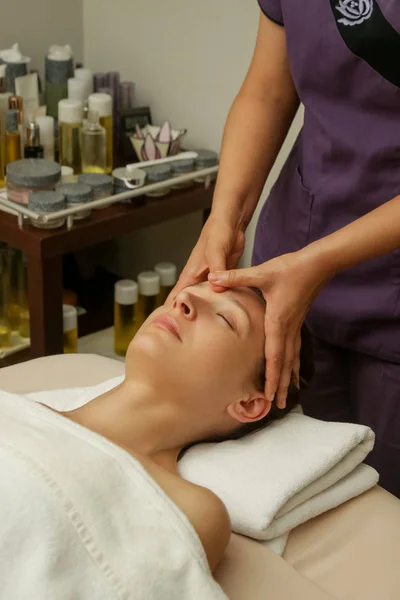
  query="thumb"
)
[
  {"x": 216, "y": 257},
  {"x": 237, "y": 277}
]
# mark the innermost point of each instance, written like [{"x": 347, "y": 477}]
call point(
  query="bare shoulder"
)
[{"x": 210, "y": 518}]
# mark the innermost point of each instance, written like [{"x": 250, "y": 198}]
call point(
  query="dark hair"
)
[{"x": 292, "y": 400}]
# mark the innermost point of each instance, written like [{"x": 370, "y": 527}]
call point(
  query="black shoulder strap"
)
[{"x": 369, "y": 36}]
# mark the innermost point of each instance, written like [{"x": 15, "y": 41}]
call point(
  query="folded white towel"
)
[
  {"x": 273, "y": 480},
  {"x": 278, "y": 478}
]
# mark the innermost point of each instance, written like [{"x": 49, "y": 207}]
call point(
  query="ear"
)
[{"x": 253, "y": 409}]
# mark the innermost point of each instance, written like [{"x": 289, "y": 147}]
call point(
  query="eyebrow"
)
[{"x": 232, "y": 299}]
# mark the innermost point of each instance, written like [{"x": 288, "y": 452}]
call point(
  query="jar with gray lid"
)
[
  {"x": 157, "y": 174},
  {"x": 205, "y": 159},
  {"x": 46, "y": 202},
  {"x": 125, "y": 179},
  {"x": 76, "y": 194},
  {"x": 101, "y": 184},
  {"x": 29, "y": 175},
  {"x": 182, "y": 167}
]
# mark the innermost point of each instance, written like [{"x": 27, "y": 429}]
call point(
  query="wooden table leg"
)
[{"x": 45, "y": 305}]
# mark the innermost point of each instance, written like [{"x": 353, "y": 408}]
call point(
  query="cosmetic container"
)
[
  {"x": 157, "y": 174},
  {"x": 149, "y": 288},
  {"x": 70, "y": 329},
  {"x": 28, "y": 175},
  {"x": 125, "y": 314},
  {"x": 70, "y": 114},
  {"x": 44, "y": 203},
  {"x": 102, "y": 104},
  {"x": 167, "y": 272}
]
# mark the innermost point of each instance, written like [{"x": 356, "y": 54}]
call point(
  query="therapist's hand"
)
[
  {"x": 219, "y": 247},
  {"x": 289, "y": 284}
]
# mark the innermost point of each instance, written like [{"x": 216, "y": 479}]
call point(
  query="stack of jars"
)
[{"x": 14, "y": 308}]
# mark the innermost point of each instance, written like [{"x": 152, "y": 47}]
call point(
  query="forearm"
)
[
  {"x": 255, "y": 131},
  {"x": 372, "y": 235}
]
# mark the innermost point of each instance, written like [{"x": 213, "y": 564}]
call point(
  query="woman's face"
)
[{"x": 207, "y": 345}]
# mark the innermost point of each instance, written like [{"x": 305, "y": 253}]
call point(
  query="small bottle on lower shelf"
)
[
  {"x": 70, "y": 328},
  {"x": 125, "y": 314}
]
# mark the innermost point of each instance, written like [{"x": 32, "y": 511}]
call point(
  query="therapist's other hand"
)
[
  {"x": 289, "y": 284},
  {"x": 219, "y": 247}
]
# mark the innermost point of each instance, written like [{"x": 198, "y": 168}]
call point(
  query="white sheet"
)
[
  {"x": 274, "y": 480},
  {"x": 80, "y": 519}
]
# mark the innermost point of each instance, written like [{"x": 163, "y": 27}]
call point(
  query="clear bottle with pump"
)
[
  {"x": 103, "y": 105},
  {"x": 5, "y": 329},
  {"x": 33, "y": 147},
  {"x": 70, "y": 328},
  {"x": 70, "y": 113},
  {"x": 125, "y": 314},
  {"x": 13, "y": 138},
  {"x": 93, "y": 145},
  {"x": 168, "y": 275},
  {"x": 17, "y": 103},
  {"x": 149, "y": 288}
]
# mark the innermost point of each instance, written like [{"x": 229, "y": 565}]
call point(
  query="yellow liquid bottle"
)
[
  {"x": 102, "y": 105},
  {"x": 149, "y": 288},
  {"x": 69, "y": 128},
  {"x": 5, "y": 329},
  {"x": 24, "y": 315},
  {"x": 93, "y": 146},
  {"x": 70, "y": 328},
  {"x": 14, "y": 308},
  {"x": 167, "y": 272},
  {"x": 125, "y": 314},
  {"x": 2, "y": 152}
]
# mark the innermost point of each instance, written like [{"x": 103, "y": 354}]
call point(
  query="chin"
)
[{"x": 150, "y": 344}]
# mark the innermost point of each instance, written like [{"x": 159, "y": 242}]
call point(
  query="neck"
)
[{"x": 135, "y": 417}]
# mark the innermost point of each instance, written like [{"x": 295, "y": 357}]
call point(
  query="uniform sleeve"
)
[{"x": 272, "y": 9}]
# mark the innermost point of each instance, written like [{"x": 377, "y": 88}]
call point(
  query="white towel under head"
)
[{"x": 275, "y": 479}]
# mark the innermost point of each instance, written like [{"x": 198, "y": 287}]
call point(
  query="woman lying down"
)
[{"x": 91, "y": 502}]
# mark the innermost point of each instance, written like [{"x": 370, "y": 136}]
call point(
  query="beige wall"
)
[
  {"x": 188, "y": 60},
  {"x": 37, "y": 24}
]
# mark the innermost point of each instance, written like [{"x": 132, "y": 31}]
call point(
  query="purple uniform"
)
[{"x": 344, "y": 59}]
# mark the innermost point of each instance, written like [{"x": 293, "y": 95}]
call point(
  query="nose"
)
[{"x": 185, "y": 304}]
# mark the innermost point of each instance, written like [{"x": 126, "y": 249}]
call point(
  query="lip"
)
[{"x": 169, "y": 324}]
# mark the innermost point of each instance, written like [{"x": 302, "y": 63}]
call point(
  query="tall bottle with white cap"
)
[
  {"x": 149, "y": 288},
  {"x": 70, "y": 114},
  {"x": 59, "y": 68},
  {"x": 70, "y": 328},
  {"x": 102, "y": 104},
  {"x": 167, "y": 272},
  {"x": 46, "y": 127},
  {"x": 125, "y": 314}
]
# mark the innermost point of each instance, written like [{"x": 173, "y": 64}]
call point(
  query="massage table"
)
[{"x": 351, "y": 552}]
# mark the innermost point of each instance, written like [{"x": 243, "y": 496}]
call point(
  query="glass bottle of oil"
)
[
  {"x": 70, "y": 328},
  {"x": 149, "y": 288},
  {"x": 13, "y": 138},
  {"x": 125, "y": 314},
  {"x": 14, "y": 309},
  {"x": 24, "y": 316},
  {"x": 102, "y": 104},
  {"x": 70, "y": 113},
  {"x": 5, "y": 330},
  {"x": 93, "y": 145},
  {"x": 167, "y": 272}
]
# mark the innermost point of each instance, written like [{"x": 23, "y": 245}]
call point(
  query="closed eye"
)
[{"x": 226, "y": 320}]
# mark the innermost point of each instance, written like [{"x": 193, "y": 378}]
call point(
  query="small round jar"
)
[
  {"x": 46, "y": 202},
  {"x": 157, "y": 174},
  {"x": 76, "y": 194},
  {"x": 30, "y": 175},
  {"x": 182, "y": 167},
  {"x": 205, "y": 160},
  {"x": 67, "y": 174},
  {"x": 128, "y": 179},
  {"x": 101, "y": 185}
]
